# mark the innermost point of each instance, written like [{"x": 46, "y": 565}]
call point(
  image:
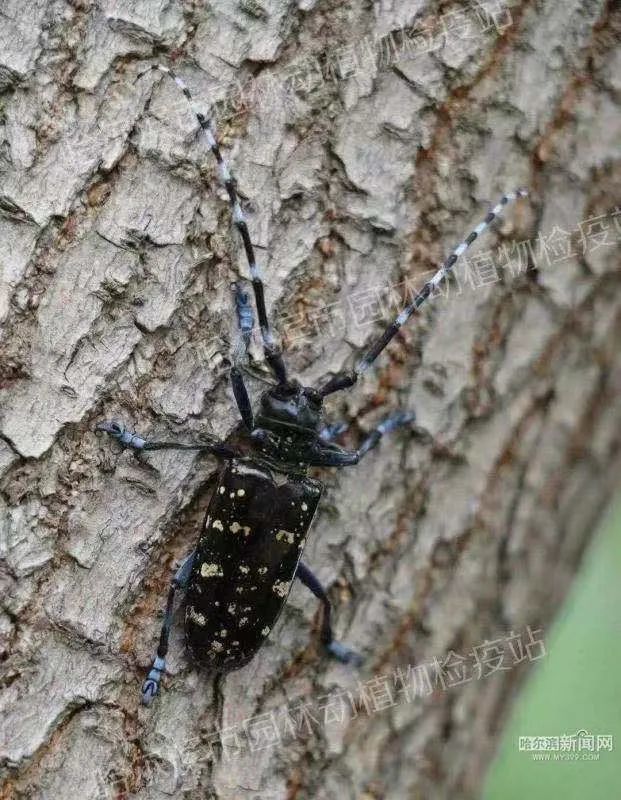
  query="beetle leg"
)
[
  {"x": 152, "y": 683},
  {"x": 241, "y": 398},
  {"x": 128, "y": 439},
  {"x": 331, "y": 431},
  {"x": 330, "y": 455},
  {"x": 387, "y": 425},
  {"x": 336, "y": 649}
]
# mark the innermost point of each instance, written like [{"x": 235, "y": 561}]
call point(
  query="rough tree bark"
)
[{"x": 117, "y": 255}]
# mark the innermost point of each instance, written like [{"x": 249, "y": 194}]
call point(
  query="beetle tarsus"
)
[
  {"x": 148, "y": 692},
  {"x": 151, "y": 685},
  {"x": 119, "y": 432},
  {"x": 344, "y": 654}
]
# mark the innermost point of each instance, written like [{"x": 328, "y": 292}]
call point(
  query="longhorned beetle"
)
[{"x": 237, "y": 580}]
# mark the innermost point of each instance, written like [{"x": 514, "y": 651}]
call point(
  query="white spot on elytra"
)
[
  {"x": 231, "y": 608},
  {"x": 217, "y": 646},
  {"x": 262, "y": 570},
  {"x": 222, "y": 489},
  {"x": 234, "y": 527},
  {"x": 218, "y": 525},
  {"x": 280, "y": 588},
  {"x": 223, "y": 633},
  {"x": 196, "y": 616},
  {"x": 243, "y": 621},
  {"x": 304, "y": 507},
  {"x": 211, "y": 571},
  {"x": 285, "y": 535},
  {"x": 244, "y": 569},
  {"x": 265, "y": 631},
  {"x": 241, "y": 492}
]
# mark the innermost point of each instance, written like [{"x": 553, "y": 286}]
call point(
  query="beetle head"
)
[{"x": 291, "y": 408}]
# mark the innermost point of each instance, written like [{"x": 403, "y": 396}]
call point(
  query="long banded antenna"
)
[
  {"x": 344, "y": 380},
  {"x": 272, "y": 354}
]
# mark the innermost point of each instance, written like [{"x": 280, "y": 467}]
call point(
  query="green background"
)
[{"x": 577, "y": 686}]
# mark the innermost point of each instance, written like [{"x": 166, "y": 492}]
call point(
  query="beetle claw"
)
[
  {"x": 148, "y": 692},
  {"x": 119, "y": 432},
  {"x": 152, "y": 684}
]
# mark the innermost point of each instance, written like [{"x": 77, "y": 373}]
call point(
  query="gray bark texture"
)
[{"x": 116, "y": 262}]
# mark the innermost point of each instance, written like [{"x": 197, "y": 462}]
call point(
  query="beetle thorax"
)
[{"x": 288, "y": 422}]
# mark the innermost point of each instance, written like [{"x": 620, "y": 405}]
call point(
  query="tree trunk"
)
[{"x": 365, "y": 145}]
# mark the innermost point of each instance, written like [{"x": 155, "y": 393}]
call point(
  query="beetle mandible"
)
[{"x": 237, "y": 579}]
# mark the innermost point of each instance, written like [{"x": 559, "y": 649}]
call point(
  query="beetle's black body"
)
[
  {"x": 238, "y": 578},
  {"x": 245, "y": 562}
]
